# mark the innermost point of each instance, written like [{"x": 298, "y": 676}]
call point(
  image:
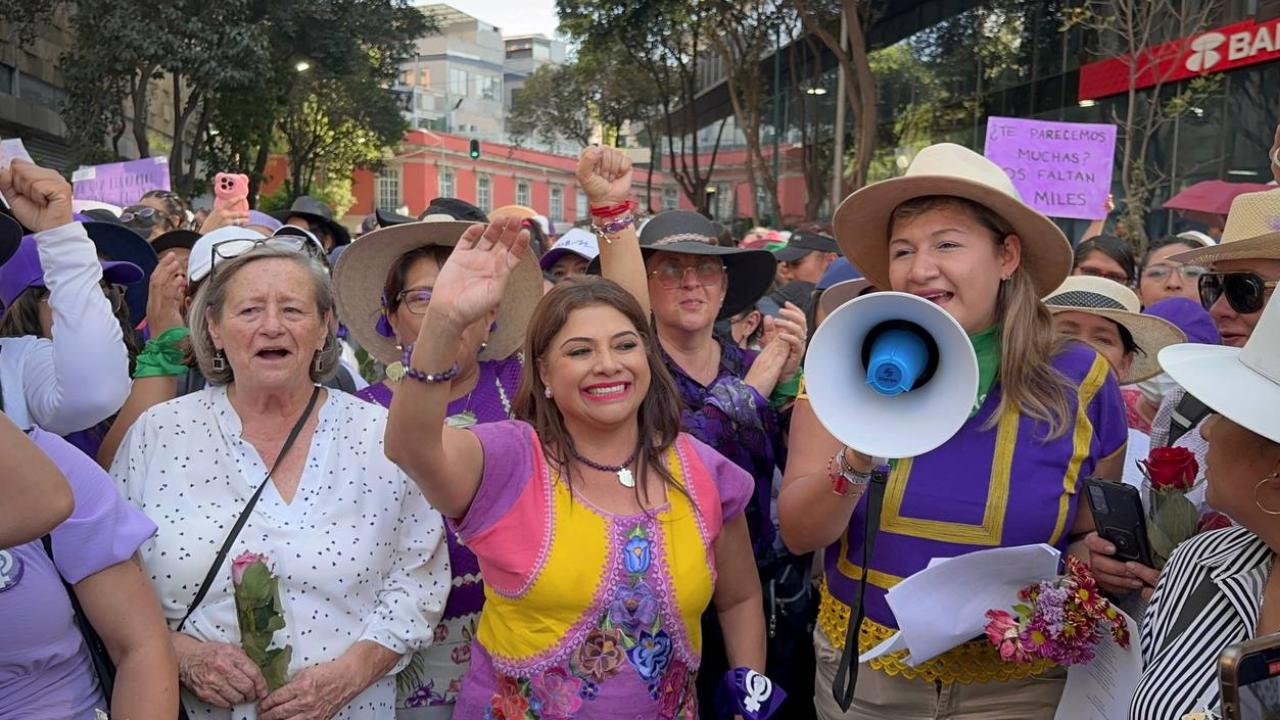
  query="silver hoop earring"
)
[
  {"x": 547, "y": 392},
  {"x": 1258, "y": 487},
  {"x": 219, "y": 363}
]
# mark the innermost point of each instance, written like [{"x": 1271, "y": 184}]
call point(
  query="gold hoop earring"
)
[{"x": 1258, "y": 487}]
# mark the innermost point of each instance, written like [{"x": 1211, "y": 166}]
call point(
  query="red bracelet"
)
[{"x": 610, "y": 211}]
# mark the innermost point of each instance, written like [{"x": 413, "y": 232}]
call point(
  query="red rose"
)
[{"x": 1171, "y": 468}]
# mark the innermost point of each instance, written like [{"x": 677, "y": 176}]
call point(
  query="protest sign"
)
[
  {"x": 1061, "y": 169},
  {"x": 121, "y": 183}
]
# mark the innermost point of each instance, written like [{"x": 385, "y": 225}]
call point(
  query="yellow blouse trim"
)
[{"x": 976, "y": 661}]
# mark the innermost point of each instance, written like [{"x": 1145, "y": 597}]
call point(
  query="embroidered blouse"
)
[
  {"x": 999, "y": 487},
  {"x": 359, "y": 553},
  {"x": 589, "y": 614},
  {"x": 434, "y": 675}
]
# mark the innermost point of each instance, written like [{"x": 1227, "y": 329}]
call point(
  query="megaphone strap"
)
[{"x": 846, "y": 679}]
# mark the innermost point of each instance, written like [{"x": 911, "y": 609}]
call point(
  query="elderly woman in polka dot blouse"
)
[{"x": 363, "y": 569}]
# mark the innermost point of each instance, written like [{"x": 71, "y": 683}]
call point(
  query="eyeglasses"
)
[
  {"x": 1246, "y": 292},
  {"x": 1190, "y": 273},
  {"x": 143, "y": 214},
  {"x": 228, "y": 249},
  {"x": 670, "y": 275},
  {"x": 1096, "y": 272},
  {"x": 415, "y": 300}
]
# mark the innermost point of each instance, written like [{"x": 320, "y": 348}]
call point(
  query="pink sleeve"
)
[
  {"x": 717, "y": 475},
  {"x": 507, "y": 523}
]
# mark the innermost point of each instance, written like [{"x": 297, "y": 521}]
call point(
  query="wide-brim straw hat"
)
[
  {"x": 361, "y": 273},
  {"x": 1117, "y": 303},
  {"x": 1241, "y": 384},
  {"x": 862, "y": 220},
  {"x": 748, "y": 273},
  {"x": 1252, "y": 232}
]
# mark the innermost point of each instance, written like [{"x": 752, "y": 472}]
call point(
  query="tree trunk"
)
[
  {"x": 863, "y": 103},
  {"x": 259, "y": 168},
  {"x": 141, "y": 108}
]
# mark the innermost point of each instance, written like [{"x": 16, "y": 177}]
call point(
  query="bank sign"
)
[{"x": 1234, "y": 46}]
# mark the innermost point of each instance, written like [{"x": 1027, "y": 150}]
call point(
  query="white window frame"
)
[
  {"x": 446, "y": 184},
  {"x": 555, "y": 209},
  {"x": 387, "y": 188},
  {"x": 581, "y": 207},
  {"x": 670, "y": 198},
  {"x": 484, "y": 200},
  {"x": 523, "y": 193}
]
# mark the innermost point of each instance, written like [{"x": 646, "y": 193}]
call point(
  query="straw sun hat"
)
[
  {"x": 862, "y": 220},
  {"x": 361, "y": 272},
  {"x": 1252, "y": 232},
  {"x": 1117, "y": 303}
]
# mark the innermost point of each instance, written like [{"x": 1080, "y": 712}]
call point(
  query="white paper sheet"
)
[
  {"x": 11, "y": 150},
  {"x": 1103, "y": 689},
  {"x": 946, "y": 604}
]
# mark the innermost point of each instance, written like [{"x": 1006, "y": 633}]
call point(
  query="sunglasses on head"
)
[{"x": 1246, "y": 292}]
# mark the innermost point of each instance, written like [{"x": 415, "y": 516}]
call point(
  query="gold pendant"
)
[
  {"x": 395, "y": 372},
  {"x": 626, "y": 478}
]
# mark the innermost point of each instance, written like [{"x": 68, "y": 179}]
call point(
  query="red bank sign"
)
[{"x": 1244, "y": 43}]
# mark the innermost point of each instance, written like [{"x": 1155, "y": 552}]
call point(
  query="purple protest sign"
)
[
  {"x": 121, "y": 183},
  {"x": 1061, "y": 169}
]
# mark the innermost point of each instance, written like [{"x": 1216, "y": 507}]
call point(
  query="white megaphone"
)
[{"x": 891, "y": 375}]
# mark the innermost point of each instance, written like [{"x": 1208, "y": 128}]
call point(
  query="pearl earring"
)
[{"x": 547, "y": 393}]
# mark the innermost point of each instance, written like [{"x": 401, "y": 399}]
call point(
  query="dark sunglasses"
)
[{"x": 1246, "y": 292}]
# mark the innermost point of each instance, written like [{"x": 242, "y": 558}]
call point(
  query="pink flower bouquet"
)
[{"x": 1058, "y": 620}]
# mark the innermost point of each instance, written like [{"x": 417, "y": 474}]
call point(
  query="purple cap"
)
[
  {"x": 23, "y": 271},
  {"x": 257, "y": 217},
  {"x": 1189, "y": 316}
]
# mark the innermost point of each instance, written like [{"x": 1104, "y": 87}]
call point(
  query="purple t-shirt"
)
[{"x": 45, "y": 669}]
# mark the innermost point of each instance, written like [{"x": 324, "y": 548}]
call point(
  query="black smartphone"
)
[
  {"x": 1120, "y": 519},
  {"x": 1249, "y": 674}
]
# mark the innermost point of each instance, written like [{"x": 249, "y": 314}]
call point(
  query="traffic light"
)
[{"x": 475, "y": 149}]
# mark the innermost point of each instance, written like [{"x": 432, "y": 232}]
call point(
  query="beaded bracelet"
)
[
  {"x": 614, "y": 227},
  {"x": 406, "y": 370},
  {"x": 843, "y": 477}
]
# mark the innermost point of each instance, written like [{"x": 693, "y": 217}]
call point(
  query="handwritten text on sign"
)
[
  {"x": 121, "y": 183},
  {"x": 1061, "y": 169}
]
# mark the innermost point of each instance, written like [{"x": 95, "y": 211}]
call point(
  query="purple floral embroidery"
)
[
  {"x": 635, "y": 555},
  {"x": 651, "y": 655},
  {"x": 634, "y": 608},
  {"x": 557, "y": 694},
  {"x": 424, "y": 696}
]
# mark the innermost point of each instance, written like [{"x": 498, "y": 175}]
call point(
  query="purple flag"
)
[
  {"x": 1061, "y": 169},
  {"x": 121, "y": 183}
]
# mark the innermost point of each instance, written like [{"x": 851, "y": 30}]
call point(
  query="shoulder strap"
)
[
  {"x": 846, "y": 679},
  {"x": 1186, "y": 415},
  {"x": 1191, "y": 610},
  {"x": 248, "y": 508}
]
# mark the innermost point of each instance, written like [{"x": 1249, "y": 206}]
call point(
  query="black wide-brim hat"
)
[
  {"x": 117, "y": 242},
  {"x": 749, "y": 273},
  {"x": 315, "y": 211}
]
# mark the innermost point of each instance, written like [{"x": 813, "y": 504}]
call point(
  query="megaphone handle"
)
[{"x": 846, "y": 678}]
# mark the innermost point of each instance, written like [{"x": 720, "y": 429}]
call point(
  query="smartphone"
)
[
  {"x": 1249, "y": 674},
  {"x": 1120, "y": 519},
  {"x": 231, "y": 191}
]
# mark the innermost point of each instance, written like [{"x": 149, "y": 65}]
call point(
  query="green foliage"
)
[
  {"x": 554, "y": 103},
  {"x": 259, "y": 616}
]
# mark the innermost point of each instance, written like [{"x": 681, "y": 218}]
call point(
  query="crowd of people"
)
[{"x": 497, "y": 473}]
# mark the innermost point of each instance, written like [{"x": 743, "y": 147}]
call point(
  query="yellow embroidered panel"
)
[
  {"x": 686, "y": 558},
  {"x": 991, "y": 530},
  {"x": 854, "y": 572},
  {"x": 1081, "y": 439}
]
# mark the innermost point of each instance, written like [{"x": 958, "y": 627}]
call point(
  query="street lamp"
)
[
  {"x": 302, "y": 66},
  {"x": 816, "y": 91}
]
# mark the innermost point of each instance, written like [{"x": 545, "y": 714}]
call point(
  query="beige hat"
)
[
  {"x": 361, "y": 272},
  {"x": 862, "y": 220},
  {"x": 1117, "y": 303},
  {"x": 1252, "y": 232}
]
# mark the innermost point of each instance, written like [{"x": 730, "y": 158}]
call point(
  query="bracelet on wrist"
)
[
  {"x": 844, "y": 479},
  {"x": 613, "y": 227},
  {"x": 404, "y": 369},
  {"x": 612, "y": 211}
]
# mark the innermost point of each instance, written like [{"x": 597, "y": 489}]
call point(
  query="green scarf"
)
[{"x": 986, "y": 344}]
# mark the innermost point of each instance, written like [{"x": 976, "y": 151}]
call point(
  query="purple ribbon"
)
[{"x": 747, "y": 693}]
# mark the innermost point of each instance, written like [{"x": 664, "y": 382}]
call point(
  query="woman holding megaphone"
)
[{"x": 1047, "y": 414}]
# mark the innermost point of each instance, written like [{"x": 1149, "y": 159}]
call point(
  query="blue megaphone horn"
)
[{"x": 891, "y": 375}]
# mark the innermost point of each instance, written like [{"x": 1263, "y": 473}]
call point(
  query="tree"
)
[
  {"x": 860, "y": 83},
  {"x": 746, "y": 31},
  {"x": 816, "y": 144},
  {"x": 554, "y": 103},
  {"x": 1130, "y": 30},
  {"x": 666, "y": 40}
]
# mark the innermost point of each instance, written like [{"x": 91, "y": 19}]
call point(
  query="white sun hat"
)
[{"x": 1241, "y": 384}]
